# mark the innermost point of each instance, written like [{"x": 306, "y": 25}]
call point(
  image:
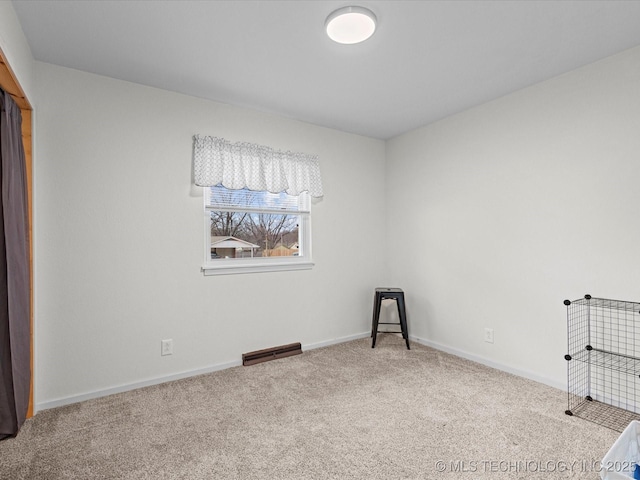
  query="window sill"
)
[{"x": 234, "y": 267}]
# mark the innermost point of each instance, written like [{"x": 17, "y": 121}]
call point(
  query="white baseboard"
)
[
  {"x": 459, "y": 353},
  {"x": 310, "y": 346},
  {"x": 490, "y": 363},
  {"x": 132, "y": 386},
  {"x": 177, "y": 376}
]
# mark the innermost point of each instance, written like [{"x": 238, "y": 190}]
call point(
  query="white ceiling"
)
[{"x": 427, "y": 60}]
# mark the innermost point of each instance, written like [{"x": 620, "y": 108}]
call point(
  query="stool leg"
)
[
  {"x": 376, "y": 318},
  {"x": 373, "y": 318},
  {"x": 403, "y": 319}
]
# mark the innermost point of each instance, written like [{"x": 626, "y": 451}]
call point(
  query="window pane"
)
[{"x": 251, "y": 235}]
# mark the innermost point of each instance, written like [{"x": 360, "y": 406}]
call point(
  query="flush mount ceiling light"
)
[{"x": 350, "y": 25}]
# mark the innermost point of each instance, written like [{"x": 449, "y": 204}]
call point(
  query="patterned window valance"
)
[{"x": 256, "y": 167}]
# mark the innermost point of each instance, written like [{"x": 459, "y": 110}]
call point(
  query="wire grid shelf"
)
[
  {"x": 606, "y": 415},
  {"x": 603, "y": 360}
]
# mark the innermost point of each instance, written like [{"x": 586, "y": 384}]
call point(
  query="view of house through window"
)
[{"x": 255, "y": 224}]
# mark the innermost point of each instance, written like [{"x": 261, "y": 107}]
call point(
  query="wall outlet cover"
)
[
  {"x": 166, "y": 347},
  {"x": 488, "y": 335}
]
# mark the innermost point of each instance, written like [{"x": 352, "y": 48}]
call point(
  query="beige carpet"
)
[{"x": 342, "y": 412}]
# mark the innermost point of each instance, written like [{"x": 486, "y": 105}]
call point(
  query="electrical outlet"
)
[
  {"x": 488, "y": 335},
  {"x": 166, "y": 347}
]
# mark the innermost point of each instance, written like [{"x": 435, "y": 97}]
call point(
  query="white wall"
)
[
  {"x": 120, "y": 239},
  {"x": 15, "y": 47},
  {"x": 513, "y": 206}
]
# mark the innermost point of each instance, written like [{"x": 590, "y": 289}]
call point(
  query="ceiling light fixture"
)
[{"x": 349, "y": 25}]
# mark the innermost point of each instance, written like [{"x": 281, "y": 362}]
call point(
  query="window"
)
[
  {"x": 257, "y": 205},
  {"x": 251, "y": 231}
]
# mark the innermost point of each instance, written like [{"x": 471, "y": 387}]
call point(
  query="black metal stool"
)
[{"x": 389, "y": 294}]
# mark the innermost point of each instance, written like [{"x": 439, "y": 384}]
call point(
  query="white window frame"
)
[{"x": 231, "y": 266}]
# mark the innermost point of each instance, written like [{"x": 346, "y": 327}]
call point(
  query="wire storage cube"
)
[{"x": 603, "y": 361}]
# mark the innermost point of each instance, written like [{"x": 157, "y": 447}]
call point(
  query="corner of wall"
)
[{"x": 15, "y": 47}]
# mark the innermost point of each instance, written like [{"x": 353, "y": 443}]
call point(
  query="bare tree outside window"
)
[{"x": 267, "y": 223}]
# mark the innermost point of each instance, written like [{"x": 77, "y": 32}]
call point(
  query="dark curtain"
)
[{"x": 15, "y": 335}]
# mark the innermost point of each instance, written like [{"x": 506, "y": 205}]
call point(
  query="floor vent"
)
[{"x": 272, "y": 353}]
